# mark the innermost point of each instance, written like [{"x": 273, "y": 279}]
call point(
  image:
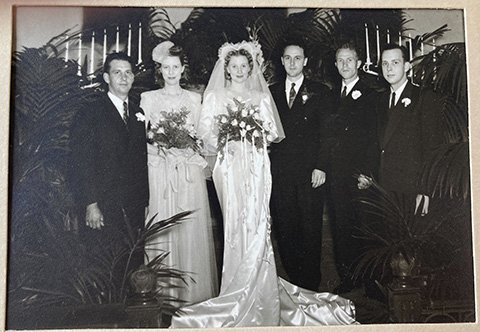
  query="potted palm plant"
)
[{"x": 54, "y": 279}]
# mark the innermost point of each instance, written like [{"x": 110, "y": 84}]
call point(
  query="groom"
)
[
  {"x": 299, "y": 169},
  {"x": 109, "y": 156}
]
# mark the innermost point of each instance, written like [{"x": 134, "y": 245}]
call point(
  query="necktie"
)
[
  {"x": 344, "y": 91},
  {"x": 392, "y": 100},
  {"x": 291, "y": 96},
  {"x": 125, "y": 112}
]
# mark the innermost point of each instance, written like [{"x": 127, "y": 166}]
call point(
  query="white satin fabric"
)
[
  {"x": 251, "y": 293},
  {"x": 177, "y": 183}
]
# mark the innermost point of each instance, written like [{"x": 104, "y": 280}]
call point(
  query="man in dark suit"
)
[
  {"x": 352, "y": 134},
  {"x": 108, "y": 144},
  {"x": 409, "y": 126},
  {"x": 298, "y": 169}
]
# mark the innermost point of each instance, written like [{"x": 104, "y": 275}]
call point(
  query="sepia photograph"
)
[{"x": 210, "y": 166}]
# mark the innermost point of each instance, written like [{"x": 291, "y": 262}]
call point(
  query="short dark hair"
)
[
  {"x": 240, "y": 52},
  {"x": 294, "y": 41},
  {"x": 402, "y": 48},
  {"x": 347, "y": 46},
  {"x": 116, "y": 56}
]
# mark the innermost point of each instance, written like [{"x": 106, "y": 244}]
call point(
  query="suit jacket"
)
[
  {"x": 406, "y": 135},
  {"x": 303, "y": 148},
  {"x": 110, "y": 159},
  {"x": 352, "y": 134}
]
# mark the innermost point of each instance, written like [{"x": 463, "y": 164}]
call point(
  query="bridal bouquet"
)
[
  {"x": 172, "y": 131},
  {"x": 242, "y": 122}
]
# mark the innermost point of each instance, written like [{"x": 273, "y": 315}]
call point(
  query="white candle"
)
[
  {"x": 399, "y": 38},
  {"x": 117, "y": 46},
  {"x": 66, "y": 48},
  {"x": 80, "y": 54},
  {"x": 104, "y": 45},
  {"x": 129, "y": 39},
  {"x": 139, "y": 43},
  {"x": 366, "y": 44},
  {"x": 421, "y": 48},
  {"x": 92, "y": 56},
  {"x": 378, "y": 44},
  {"x": 410, "y": 47},
  {"x": 388, "y": 36}
]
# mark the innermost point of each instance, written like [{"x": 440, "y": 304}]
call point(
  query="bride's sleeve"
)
[
  {"x": 206, "y": 129},
  {"x": 271, "y": 118}
]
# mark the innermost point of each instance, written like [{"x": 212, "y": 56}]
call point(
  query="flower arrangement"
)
[
  {"x": 406, "y": 102},
  {"x": 305, "y": 95},
  {"x": 356, "y": 94},
  {"x": 242, "y": 122},
  {"x": 173, "y": 131}
]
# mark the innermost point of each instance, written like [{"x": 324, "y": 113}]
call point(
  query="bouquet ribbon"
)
[{"x": 178, "y": 168}]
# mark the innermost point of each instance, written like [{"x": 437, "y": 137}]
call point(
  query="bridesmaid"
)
[{"x": 177, "y": 183}]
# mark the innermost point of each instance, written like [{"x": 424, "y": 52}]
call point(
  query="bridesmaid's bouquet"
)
[
  {"x": 173, "y": 131},
  {"x": 242, "y": 122}
]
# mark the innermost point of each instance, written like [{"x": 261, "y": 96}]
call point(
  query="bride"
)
[{"x": 251, "y": 293}]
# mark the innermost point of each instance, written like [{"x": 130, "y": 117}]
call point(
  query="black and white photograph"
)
[{"x": 207, "y": 166}]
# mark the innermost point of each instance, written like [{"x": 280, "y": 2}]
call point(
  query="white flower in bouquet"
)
[{"x": 242, "y": 124}]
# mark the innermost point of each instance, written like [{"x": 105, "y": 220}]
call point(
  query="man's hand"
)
[
  {"x": 318, "y": 178},
  {"x": 94, "y": 216},
  {"x": 364, "y": 182},
  {"x": 426, "y": 203}
]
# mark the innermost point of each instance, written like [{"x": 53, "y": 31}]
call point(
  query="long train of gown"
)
[
  {"x": 251, "y": 292},
  {"x": 177, "y": 183}
]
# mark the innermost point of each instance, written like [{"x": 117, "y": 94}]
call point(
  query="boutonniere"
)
[
  {"x": 406, "y": 102},
  {"x": 356, "y": 94},
  {"x": 306, "y": 96},
  {"x": 140, "y": 117}
]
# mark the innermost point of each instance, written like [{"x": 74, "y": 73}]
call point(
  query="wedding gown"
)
[
  {"x": 177, "y": 183},
  {"x": 251, "y": 293}
]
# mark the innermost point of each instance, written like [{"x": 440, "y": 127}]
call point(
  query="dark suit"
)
[
  {"x": 110, "y": 165},
  {"x": 352, "y": 135},
  {"x": 297, "y": 208},
  {"x": 406, "y": 134}
]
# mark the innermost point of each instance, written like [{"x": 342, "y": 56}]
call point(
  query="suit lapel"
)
[{"x": 404, "y": 107}]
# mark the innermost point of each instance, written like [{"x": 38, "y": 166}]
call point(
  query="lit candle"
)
[
  {"x": 378, "y": 45},
  {"x": 66, "y": 48},
  {"x": 129, "y": 39},
  {"x": 117, "y": 46},
  {"x": 366, "y": 44},
  {"x": 92, "y": 60},
  {"x": 104, "y": 45},
  {"x": 410, "y": 47},
  {"x": 399, "y": 38},
  {"x": 80, "y": 54},
  {"x": 388, "y": 36},
  {"x": 139, "y": 43}
]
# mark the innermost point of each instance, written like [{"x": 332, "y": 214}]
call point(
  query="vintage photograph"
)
[{"x": 212, "y": 167}]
